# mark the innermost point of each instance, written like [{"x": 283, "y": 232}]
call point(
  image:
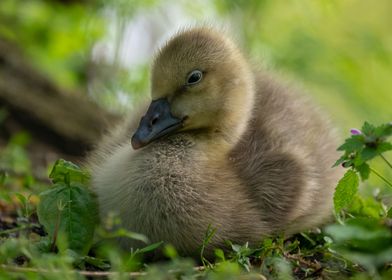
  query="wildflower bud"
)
[{"x": 355, "y": 131}]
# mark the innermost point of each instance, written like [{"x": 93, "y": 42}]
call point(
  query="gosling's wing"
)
[{"x": 284, "y": 158}]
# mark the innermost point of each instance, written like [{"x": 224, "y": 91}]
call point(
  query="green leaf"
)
[
  {"x": 368, "y": 129},
  {"x": 365, "y": 241},
  {"x": 21, "y": 198},
  {"x": 384, "y": 130},
  {"x": 150, "y": 247},
  {"x": 365, "y": 207},
  {"x": 364, "y": 171},
  {"x": 368, "y": 153},
  {"x": 220, "y": 255},
  {"x": 352, "y": 144},
  {"x": 342, "y": 159},
  {"x": 384, "y": 147},
  {"x": 345, "y": 190},
  {"x": 361, "y": 234},
  {"x": 122, "y": 232},
  {"x": 97, "y": 262},
  {"x": 71, "y": 210},
  {"x": 65, "y": 171},
  {"x": 170, "y": 251}
]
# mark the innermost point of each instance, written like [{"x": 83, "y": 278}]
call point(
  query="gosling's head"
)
[{"x": 200, "y": 83}]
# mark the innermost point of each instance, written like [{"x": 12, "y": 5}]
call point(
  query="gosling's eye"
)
[{"x": 194, "y": 77}]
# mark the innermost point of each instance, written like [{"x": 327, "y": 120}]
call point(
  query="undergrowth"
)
[{"x": 49, "y": 229}]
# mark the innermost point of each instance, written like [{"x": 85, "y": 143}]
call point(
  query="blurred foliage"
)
[
  {"x": 14, "y": 157},
  {"x": 341, "y": 50},
  {"x": 55, "y": 36}
]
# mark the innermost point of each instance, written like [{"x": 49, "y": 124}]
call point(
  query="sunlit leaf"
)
[
  {"x": 345, "y": 190},
  {"x": 65, "y": 171},
  {"x": 69, "y": 208}
]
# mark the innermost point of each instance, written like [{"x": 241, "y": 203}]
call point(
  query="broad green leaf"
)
[
  {"x": 365, "y": 207},
  {"x": 65, "y": 171},
  {"x": 363, "y": 240},
  {"x": 345, "y": 190},
  {"x": 70, "y": 209},
  {"x": 361, "y": 234}
]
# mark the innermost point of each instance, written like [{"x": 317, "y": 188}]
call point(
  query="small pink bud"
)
[{"x": 355, "y": 131}]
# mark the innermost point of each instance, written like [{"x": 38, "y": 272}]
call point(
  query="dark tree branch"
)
[{"x": 66, "y": 120}]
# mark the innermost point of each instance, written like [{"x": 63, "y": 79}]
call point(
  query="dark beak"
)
[{"x": 157, "y": 122}]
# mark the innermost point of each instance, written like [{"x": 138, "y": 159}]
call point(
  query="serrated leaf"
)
[
  {"x": 368, "y": 129},
  {"x": 352, "y": 144},
  {"x": 384, "y": 147},
  {"x": 77, "y": 218},
  {"x": 384, "y": 130},
  {"x": 65, "y": 171},
  {"x": 364, "y": 171},
  {"x": 345, "y": 190},
  {"x": 368, "y": 153}
]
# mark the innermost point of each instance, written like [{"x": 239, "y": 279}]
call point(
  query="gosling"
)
[{"x": 221, "y": 145}]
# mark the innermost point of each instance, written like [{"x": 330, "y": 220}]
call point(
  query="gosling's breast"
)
[{"x": 156, "y": 176}]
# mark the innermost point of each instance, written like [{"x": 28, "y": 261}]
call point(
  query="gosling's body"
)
[{"x": 251, "y": 158}]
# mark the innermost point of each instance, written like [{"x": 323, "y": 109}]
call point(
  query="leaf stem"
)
[
  {"x": 386, "y": 161},
  {"x": 381, "y": 177}
]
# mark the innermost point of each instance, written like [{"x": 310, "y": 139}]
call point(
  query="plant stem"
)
[
  {"x": 386, "y": 161},
  {"x": 13, "y": 230},
  {"x": 381, "y": 177}
]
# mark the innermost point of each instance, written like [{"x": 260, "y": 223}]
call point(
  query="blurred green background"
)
[{"x": 339, "y": 51}]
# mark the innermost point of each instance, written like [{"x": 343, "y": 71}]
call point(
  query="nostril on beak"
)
[{"x": 154, "y": 120}]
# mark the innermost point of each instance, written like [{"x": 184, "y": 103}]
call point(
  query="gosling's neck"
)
[{"x": 217, "y": 143}]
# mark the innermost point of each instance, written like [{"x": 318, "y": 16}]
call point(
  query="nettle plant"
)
[
  {"x": 363, "y": 146},
  {"x": 363, "y": 233}
]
